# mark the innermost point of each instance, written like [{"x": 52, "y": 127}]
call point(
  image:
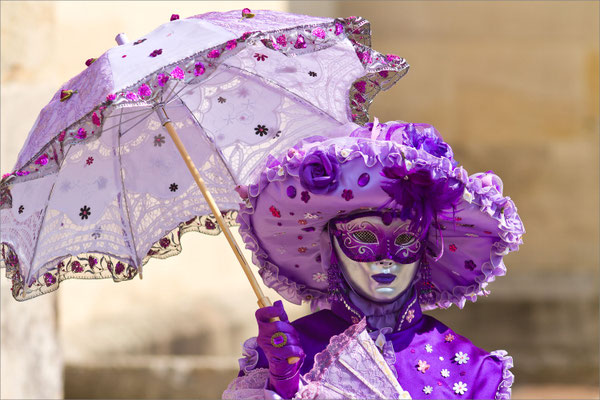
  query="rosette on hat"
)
[{"x": 399, "y": 166}]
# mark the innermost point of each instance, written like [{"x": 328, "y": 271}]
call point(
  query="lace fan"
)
[{"x": 351, "y": 367}]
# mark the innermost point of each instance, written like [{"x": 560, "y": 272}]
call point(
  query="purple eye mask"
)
[{"x": 365, "y": 240}]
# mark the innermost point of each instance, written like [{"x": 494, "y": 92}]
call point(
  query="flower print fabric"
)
[{"x": 424, "y": 374}]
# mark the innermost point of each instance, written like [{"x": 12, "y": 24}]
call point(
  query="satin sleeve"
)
[{"x": 494, "y": 378}]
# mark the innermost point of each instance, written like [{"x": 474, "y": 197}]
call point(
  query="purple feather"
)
[{"x": 419, "y": 196}]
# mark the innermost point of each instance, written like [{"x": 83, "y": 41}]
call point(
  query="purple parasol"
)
[{"x": 98, "y": 188}]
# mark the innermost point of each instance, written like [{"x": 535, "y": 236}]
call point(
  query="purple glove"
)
[{"x": 279, "y": 341}]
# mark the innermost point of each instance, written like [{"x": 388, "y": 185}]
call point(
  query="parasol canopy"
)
[{"x": 99, "y": 189}]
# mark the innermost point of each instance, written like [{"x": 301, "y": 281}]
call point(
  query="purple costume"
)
[
  {"x": 460, "y": 228},
  {"x": 423, "y": 351}
]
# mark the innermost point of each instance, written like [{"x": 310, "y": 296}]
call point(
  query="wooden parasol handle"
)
[{"x": 263, "y": 301}]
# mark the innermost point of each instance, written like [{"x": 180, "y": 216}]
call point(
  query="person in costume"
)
[{"x": 379, "y": 224}]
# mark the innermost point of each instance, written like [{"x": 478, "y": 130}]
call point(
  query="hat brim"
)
[{"x": 283, "y": 223}]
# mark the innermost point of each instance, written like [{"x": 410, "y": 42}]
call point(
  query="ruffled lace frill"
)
[
  {"x": 93, "y": 265},
  {"x": 505, "y": 387}
]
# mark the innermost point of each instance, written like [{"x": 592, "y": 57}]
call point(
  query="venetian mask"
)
[{"x": 378, "y": 256}]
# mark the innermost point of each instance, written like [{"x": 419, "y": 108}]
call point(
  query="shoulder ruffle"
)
[
  {"x": 250, "y": 356},
  {"x": 251, "y": 386},
  {"x": 505, "y": 386}
]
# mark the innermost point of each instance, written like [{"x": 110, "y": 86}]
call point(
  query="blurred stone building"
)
[{"x": 512, "y": 86}]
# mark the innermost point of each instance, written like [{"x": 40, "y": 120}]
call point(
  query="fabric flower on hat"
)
[
  {"x": 319, "y": 172},
  {"x": 428, "y": 139},
  {"x": 420, "y": 195}
]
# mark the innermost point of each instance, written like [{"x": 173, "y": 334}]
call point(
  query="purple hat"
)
[{"x": 398, "y": 166}]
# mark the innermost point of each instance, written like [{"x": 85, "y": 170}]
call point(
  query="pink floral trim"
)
[
  {"x": 381, "y": 72},
  {"x": 250, "y": 353}
]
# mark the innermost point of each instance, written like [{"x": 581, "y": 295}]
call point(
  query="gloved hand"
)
[{"x": 279, "y": 341}]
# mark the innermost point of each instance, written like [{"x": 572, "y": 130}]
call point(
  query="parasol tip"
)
[{"x": 121, "y": 39}]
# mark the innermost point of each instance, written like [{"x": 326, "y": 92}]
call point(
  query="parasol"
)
[{"x": 99, "y": 188}]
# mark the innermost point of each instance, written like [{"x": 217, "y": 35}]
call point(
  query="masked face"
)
[{"x": 378, "y": 260}]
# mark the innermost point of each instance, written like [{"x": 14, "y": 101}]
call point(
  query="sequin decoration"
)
[
  {"x": 76, "y": 266},
  {"x": 231, "y": 44},
  {"x": 291, "y": 192},
  {"x": 199, "y": 69},
  {"x": 162, "y": 79},
  {"x": 275, "y": 212},
  {"x": 85, "y": 212},
  {"x": 159, "y": 140},
  {"x": 214, "y": 53},
  {"x": 361, "y": 86},
  {"x": 208, "y": 224},
  {"x": 410, "y": 315},
  {"x": 260, "y": 57},
  {"x": 470, "y": 265},
  {"x": 347, "y": 194},
  {"x": 246, "y": 13},
  {"x": 96, "y": 119},
  {"x": 279, "y": 339},
  {"x": 178, "y": 73},
  {"x": 66, "y": 94},
  {"x": 42, "y": 160},
  {"x": 320, "y": 277},
  {"x": 422, "y": 366},
  {"x": 49, "y": 279},
  {"x": 461, "y": 358},
  {"x": 300, "y": 42},
  {"x": 144, "y": 91},
  {"x": 304, "y": 196},
  {"x": 460, "y": 388},
  {"x": 155, "y": 53},
  {"x": 132, "y": 96},
  {"x": 319, "y": 32},
  {"x": 261, "y": 130}
]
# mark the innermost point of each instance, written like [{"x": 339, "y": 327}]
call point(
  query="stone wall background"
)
[{"x": 512, "y": 86}]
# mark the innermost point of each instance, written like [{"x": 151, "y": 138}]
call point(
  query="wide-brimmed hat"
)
[{"x": 397, "y": 166}]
